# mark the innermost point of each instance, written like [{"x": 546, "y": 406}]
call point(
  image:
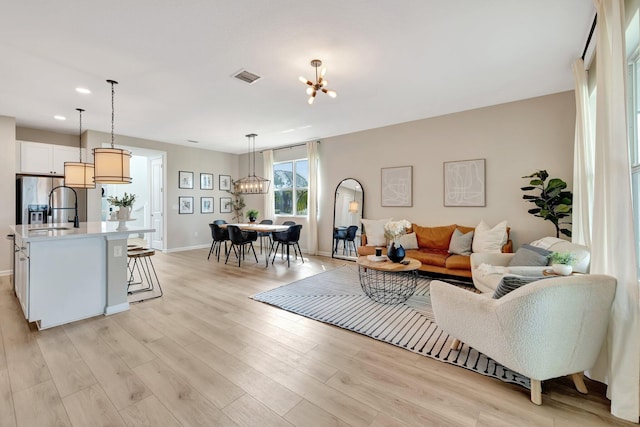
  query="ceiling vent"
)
[{"x": 247, "y": 77}]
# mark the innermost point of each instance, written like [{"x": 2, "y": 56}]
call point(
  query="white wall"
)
[{"x": 8, "y": 188}]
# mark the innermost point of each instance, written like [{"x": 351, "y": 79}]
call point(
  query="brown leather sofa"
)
[{"x": 433, "y": 250}]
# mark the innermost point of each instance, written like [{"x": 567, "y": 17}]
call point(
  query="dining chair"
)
[
  {"x": 282, "y": 235},
  {"x": 349, "y": 240},
  {"x": 288, "y": 238},
  {"x": 219, "y": 235},
  {"x": 239, "y": 242},
  {"x": 267, "y": 234},
  {"x": 339, "y": 233}
]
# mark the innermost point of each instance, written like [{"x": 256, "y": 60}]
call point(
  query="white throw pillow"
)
[
  {"x": 374, "y": 230},
  {"x": 408, "y": 241},
  {"x": 490, "y": 240}
]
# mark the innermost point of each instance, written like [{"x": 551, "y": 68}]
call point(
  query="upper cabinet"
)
[{"x": 48, "y": 159}]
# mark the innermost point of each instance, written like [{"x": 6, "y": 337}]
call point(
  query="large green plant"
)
[
  {"x": 553, "y": 202},
  {"x": 237, "y": 204}
]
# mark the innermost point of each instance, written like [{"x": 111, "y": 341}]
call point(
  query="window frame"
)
[{"x": 293, "y": 189}]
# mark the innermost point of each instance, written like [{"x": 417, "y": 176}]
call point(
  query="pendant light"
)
[
  {"x": 78, "y": 174},
  {"x": 319, "y": 85},
  {"x": 252, "y": 184},
  {"x": 112, "y": 164},
  {"x": 354, "y": 206}
]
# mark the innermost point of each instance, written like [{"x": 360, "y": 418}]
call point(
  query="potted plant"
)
[
  {"x": 553, "y": 202},
  {"x": 237, "y": 204},
  {"x": 124, "y": 205},
  {"x": 252, "y": 214},
  {"x": 393, "y": 230},
  {"x": 561, "y": 262}
]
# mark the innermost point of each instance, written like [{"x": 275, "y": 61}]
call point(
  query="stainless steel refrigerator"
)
[{"x": 33, "y": 195}]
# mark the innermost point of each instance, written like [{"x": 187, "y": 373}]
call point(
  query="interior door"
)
[{"x": 157, "y": 203}]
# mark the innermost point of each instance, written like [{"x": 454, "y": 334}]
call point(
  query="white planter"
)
[
  {"x": 562, "y": 269},
  {"x": 124, "y": 213}
]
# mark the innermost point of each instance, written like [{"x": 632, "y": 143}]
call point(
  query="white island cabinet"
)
[{"x": 64, "y": 274}]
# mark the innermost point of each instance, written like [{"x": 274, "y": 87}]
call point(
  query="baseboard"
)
[
  {"x": 113, "y": 309},
  {"x": 186, "y": 248},
  {"x": 6, "y": 272}
]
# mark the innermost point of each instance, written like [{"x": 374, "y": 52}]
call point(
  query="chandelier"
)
[
  {"x": 319, "y": 85},
  {"x": 112, "y": 164},
  {"x": 78, "y": 174},
  {"x": 252, "y": 184}
]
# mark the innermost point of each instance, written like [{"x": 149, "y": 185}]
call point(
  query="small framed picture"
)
[
  {"x": 185, "y": 179},
  {"x": 206, "y": 205},
  {"x": 206, "y": 181},
  {"x": 185, "y": 204},
  {"x": 225, "y": 204},
  {"x": 224, "y": 182}
]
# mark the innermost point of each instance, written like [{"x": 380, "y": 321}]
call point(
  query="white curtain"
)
[
  {"x": 312, "y": 206},
  {"x": 268, "y": 209},
  {"x": 583, "y": 161},
  {"x": 613, "y": 248}
]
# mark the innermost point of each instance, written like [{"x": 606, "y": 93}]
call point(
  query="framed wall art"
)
[
  {"x": 464, "y": 183},
  {"x": 206, "y": 205},
  {"x": 396, "y": 189},
  {"x": 185, "y": 205},
  {"x": 224, "y": 182},
  {"x": 206, "y": 181},
  {"x": 225, "y": 204},
  {"x": 185, "y": 179}
]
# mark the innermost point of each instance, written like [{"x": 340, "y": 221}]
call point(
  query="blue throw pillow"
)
[{"x": 529, "y": 255}]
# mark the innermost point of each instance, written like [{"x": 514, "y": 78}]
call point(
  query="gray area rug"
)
[{"x": 335, "y": 297}]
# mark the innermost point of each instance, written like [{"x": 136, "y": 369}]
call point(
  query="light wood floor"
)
[{"x": 207, "y": 355}]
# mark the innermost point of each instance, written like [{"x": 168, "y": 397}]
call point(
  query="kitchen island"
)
[{"x": 63, "y": 274}]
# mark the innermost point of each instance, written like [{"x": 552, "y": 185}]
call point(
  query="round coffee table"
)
[{"x": 388, "y": 282}]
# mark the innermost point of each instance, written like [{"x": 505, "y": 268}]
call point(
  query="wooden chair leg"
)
[
  {"x": 578, "y": 381},
  {"x": 536, "y": 391},
  {"x": 456, "y": 344}
]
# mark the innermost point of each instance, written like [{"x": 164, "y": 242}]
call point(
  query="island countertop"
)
[{"x": 41, "y": 232}]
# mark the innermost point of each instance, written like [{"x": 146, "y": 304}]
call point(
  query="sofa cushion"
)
[
  {"x": 458, "y": 262},
  {"x": 434, "y": 237},
  {"x": 511, "y": 283},
  {"x": 374, "y": 229},
  {"x": 490, "y": 240},
  {"x": 529, "y": 255},
  {"x": 437, "y": 257},
  {"x": 461, "y": 242},
  {"x": 408, "y": 241}
]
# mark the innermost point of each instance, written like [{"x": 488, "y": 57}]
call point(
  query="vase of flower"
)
[
  {"x": 124, "y": 213},
  {"x": 395, "y": 253}
]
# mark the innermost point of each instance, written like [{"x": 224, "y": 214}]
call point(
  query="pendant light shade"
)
[
  {"x": 78, "y": 174},
  {"x": 353, "y": 206},
  {"x": 112, "y": 164},
  {"x": 252, "y": 184}
]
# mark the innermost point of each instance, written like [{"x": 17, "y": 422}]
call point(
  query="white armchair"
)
[{"x": 546, "y": 329}]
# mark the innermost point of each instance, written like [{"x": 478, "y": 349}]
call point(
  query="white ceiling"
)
[{"x": 389, "y": 61}]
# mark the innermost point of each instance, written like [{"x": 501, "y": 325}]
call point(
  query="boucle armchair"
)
[{"x": 545, "y": 329}]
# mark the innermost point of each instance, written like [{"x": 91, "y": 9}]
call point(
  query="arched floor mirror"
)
[{"x": 348, "y": 204}]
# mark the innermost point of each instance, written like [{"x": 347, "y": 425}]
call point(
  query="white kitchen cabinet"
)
[
  {"x": 48, "y": 159},
  {"x": 21, "y": 274}
]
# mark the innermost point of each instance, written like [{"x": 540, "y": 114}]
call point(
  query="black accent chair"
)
[
  {"x": 288, "y": 238},
  {"x": 241, "y": 242},
  {"x": 339, "y": 233},
  {"x": 219, "y": 235},
  {"x": 265, "y": 234},
  {"x": 348, "y": 237}
]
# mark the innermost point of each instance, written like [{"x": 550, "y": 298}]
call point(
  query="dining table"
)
[{"x": 260, "y": 228}]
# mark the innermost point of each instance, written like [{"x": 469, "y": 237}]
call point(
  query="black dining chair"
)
[
  {"x": 219, "y": 235},
  {"x": 339, "y": 233},
  {"x": 288, "y": 238},
  {"x": 281, "y": 235},
  {"x": 265, "y": 234},
  {"x": 239, "y": 242},
  {"x": 348, "y": 238}
]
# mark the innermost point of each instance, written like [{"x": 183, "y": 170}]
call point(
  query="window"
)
[
  {"x": 633, "y": 108},
  {"x": 290, "y": 187}
]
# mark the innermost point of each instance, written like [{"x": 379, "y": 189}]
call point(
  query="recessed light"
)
[
  {"x": 60, "y": 117},
  {"x": 82, "y": 90}
]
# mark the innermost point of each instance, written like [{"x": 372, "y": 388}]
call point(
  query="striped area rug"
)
[{"x": 335, "y": 297}]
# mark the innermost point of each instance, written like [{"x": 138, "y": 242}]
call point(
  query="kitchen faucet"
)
[{"x": 76, "y": 221}]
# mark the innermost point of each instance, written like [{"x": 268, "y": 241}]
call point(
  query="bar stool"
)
[{"x": 140, "y": 265}]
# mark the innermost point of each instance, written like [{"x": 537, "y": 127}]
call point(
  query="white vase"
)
[
  {"x": 562, "y": 269},
  {"x": 124, "y": 213}
]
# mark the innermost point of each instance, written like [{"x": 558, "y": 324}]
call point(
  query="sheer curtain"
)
[
  {"x": 613, "y": 248},
  {"x": 268, "y": 209},
  {"x": 312, "y": 207}
]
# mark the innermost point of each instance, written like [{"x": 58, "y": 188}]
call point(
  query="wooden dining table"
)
[{"x": 260, "y": 228}]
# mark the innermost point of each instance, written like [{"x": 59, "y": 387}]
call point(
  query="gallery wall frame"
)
[
  {"x": 464, "y": 183},
  {"x": 185, "y": 179},
  {"x": 206, "y": 205},
  {"x": 397, "y": 186},
  {"x": 206, "y": 181},
  {"x": 224, "y": 182},
  {"x": 225, "y": 204},
  {"x": 185, "y": 204}
]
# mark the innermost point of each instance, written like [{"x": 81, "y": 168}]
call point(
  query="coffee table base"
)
[{"x": 387, "y": 287}]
